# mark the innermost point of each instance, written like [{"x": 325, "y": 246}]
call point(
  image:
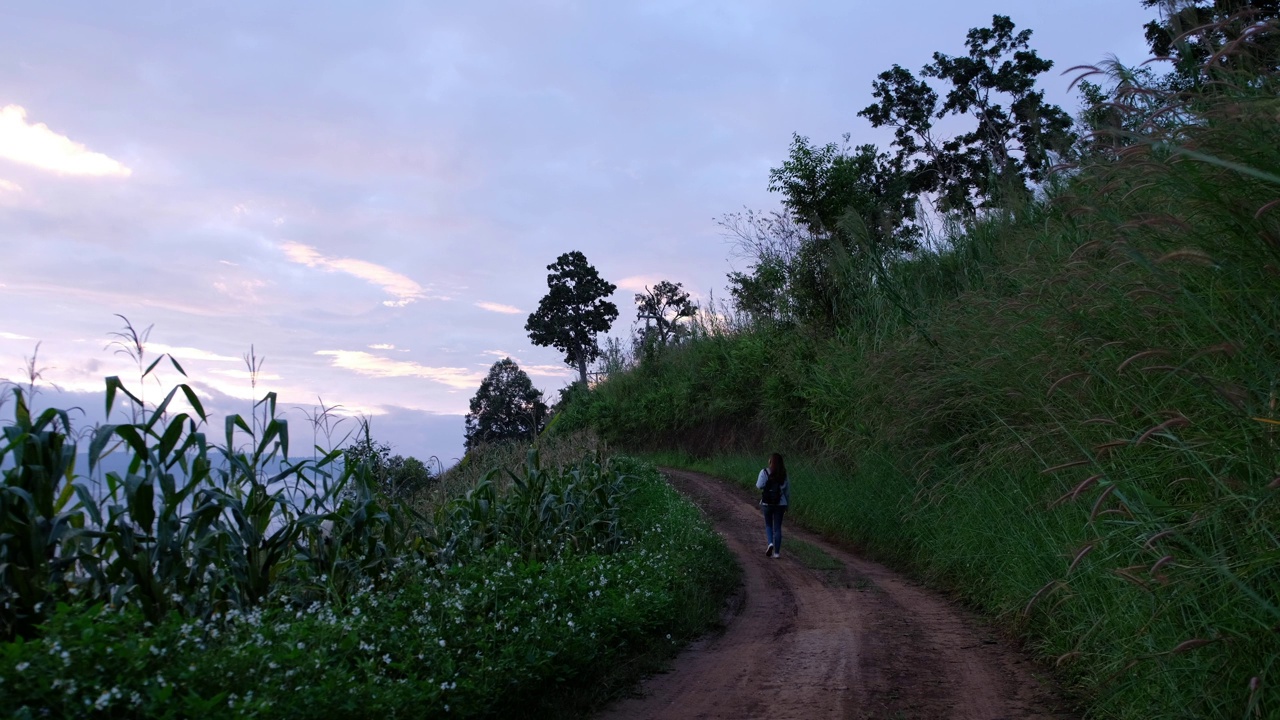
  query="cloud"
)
[
  {"x": 244, "y": 375},
  {"x": 404, "y": 289},
  {"x": 38, "y": 146},
  {"x": 559, "y": 371},
  {"x": 244, "y": 291},
  {"x": 539, "y": 370},
  {"x": 188, "y": 353},
  {"x": 13, "y": 336},
  {"x": 382, "y": 346},
  {"x": 499, "y": 308},
  {"x": 374, "y": 366},
  {"x": 7, "y": 186},
  {"x": 645, "y": 283},
  {"x": 638, "y": 283}
]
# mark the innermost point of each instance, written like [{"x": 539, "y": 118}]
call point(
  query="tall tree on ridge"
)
[
  {"x": 662, "y": 309},
  {"x": 574, "y": 310}
]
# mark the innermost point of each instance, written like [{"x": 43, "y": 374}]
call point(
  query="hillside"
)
[{"x": 1066, "y": 410}]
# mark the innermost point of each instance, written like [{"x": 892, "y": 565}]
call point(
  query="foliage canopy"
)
[{"x": 850, "y": 212}]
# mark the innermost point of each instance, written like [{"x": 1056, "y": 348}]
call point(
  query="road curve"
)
[{"x": 853, "y": 641}]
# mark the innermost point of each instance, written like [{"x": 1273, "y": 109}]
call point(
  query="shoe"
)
[
  {"x": 775, "y": 554},
  {"x": 769, "y": 551}
]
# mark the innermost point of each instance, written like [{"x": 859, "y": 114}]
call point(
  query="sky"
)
[{"x": 367, "y": 194}]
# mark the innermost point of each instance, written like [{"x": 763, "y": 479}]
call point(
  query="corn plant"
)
[
  {"x": 539, "y": 511},
  {"x": 36, "y": 519},
  {"x": 189, "y": 526}
]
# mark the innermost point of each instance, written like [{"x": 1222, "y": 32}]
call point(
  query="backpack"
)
[{"x": 772, "y": 492}]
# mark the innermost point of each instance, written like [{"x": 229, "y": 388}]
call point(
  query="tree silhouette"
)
[
  {"x": 1017, "y": 135},
  {"x": 851, "y": 203},
  {"x": 820, "y": 185},
  {"x": 1220, "y": 34},
  {"x": 506, "y": 407},
  {"x": 662, "y": 309},
  {"x": 574, "y": 310}
]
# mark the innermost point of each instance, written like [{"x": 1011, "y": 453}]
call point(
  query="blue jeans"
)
[{"x": 773, "y": 525}]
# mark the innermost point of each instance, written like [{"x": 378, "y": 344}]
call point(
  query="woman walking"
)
[{"x": 774, "y": 492}]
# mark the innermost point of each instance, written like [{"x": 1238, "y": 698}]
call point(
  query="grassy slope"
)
[{"x": 1058, "y": 417}]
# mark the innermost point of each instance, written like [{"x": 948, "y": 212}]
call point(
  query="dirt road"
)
[{"x": 833, "y": 637}]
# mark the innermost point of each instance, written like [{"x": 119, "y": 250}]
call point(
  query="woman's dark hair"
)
[{"x": 776, "y": 468}]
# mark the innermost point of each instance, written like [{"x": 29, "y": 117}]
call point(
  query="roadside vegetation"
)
[
  {"x": 1058, "y": 399},
  {"x": 231, "y": 579}
]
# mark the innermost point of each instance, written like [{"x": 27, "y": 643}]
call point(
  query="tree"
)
[
  {"x": 1017, "y": 136},
  {"x": 854, "y": 206},
  {"x": 770, "y": 242},
  {"x": 662, "y": 309},
  {"x": 614, "y": 359},
  {"x": 820, "y": 185},
  {"x": 506, "y": 407},
  {"x": 1133, "y": 105},
  {"x": 573, "y": 312},
  {"x": 1229, "y": 34},
  {"x": 762, "y": 294}
]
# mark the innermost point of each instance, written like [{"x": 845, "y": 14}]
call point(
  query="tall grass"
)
[{"x": 1077, "y": 429}]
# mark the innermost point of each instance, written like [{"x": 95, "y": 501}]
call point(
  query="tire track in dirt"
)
[{"x": 859, "y": 641}]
